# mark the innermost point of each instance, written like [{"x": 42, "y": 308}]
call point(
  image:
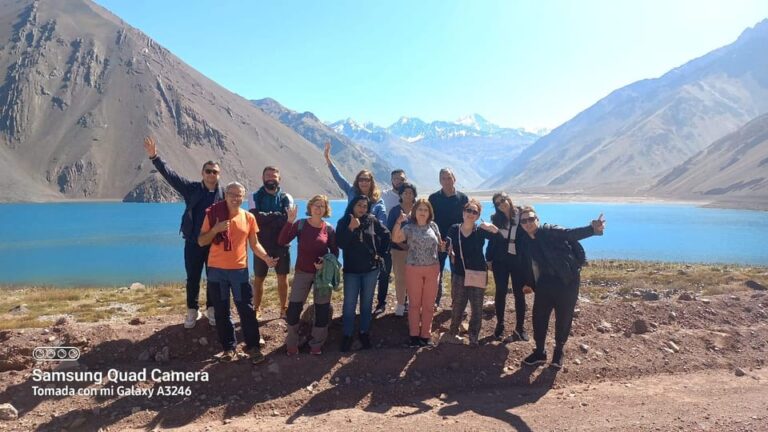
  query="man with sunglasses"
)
[
  {"x": 553, "y": 270},
  {"x": 198, "y": 196}
]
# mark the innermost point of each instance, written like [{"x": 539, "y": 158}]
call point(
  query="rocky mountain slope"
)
[
  {"x": 625, "y": 140},
  {"x": 733, "y": 168},
  {"x": 349, "y": 156},
  {"x": 79, "y": 89}
]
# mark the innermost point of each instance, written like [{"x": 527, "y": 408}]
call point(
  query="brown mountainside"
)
[
  {"x": 732, "y": 169},
  {"x": 79, "y": 88},
  {"x": 627, "y": 139}
]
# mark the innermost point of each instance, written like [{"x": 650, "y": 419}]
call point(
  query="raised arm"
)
[
  {"x": 179, "y": 183},
  {"x": 343, "y": 183}
]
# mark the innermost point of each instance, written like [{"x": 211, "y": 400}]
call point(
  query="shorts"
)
[{"x": 283, "y": 266}]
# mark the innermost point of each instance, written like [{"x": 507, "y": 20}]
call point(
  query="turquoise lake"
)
[{"x": 114, "y": 244}]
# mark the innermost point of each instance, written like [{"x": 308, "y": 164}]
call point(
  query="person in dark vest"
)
[
  {"x": 270, "y": 205},
  {"x": 553, "y": 270},
  {"x": 198, "y": 196}
]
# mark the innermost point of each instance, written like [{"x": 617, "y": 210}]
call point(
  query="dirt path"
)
[{"x": 630, "y": 365}]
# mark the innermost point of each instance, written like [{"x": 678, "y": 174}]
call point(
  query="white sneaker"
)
[
  {"x": 400, "y": 310},
  {"x": 210, "y": 313},
  {"x": 262, "y": 342},
  {"x": 192, "y": 316}
]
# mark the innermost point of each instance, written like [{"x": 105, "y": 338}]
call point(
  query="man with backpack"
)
[
  {"x": 553, "y": 259},
  {"x": 270, "y": 207}
]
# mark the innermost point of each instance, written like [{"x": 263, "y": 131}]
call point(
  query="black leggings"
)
[
  {"x": 504, "y": 270},
  {"x": 555, "y": 295}
]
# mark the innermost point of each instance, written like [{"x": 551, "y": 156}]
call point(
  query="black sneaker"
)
[
  {"x": 380, "y": 309},
  {"x": 365, "y": 340},
  {"x": 536, "y": 358},
  {"x": 414, "y": 342},
  {"x": 346, "y": 343},
  {"x": 557, "y": 359},
  {"x": 426, "y": 342},
  {"x": 499, "y": 332},
  {"x": 521, "y": 335}
]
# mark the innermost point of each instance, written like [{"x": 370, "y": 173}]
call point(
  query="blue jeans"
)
[
  {"x": 220, "y": 283},
  {"x": 360, "y": 285}
]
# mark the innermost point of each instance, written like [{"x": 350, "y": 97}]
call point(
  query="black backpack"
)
[{"x": 578, "y": 253}]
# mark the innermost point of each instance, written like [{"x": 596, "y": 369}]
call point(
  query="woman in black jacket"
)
[
  {"x": 504, "y": 261},
  {"x": 553, "y": 270},
  {"x": 363, "y": 240}
]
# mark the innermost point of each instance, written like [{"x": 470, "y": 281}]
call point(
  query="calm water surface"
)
[{"x": 114, "y": 244}]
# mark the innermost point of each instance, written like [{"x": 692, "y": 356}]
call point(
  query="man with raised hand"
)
[
  {"x": 230, "y": 230},
  {"x": 198, "y": 196}
]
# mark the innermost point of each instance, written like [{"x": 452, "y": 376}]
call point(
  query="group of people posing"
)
[{"x": 394, "y": 232}]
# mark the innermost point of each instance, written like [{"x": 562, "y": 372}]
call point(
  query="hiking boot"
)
[
  {"x": 365, "y": 340},
  {"x": 192, "y": 316},
  {"x": 557, "y": 359},
  {"x": 292, "y": 351},
  {"x": 414, "y": 342},
  {"x": 210, "y": 313},
  {"x": 426, "y": 342},
  {"x": 499, "y": 331},
  {"x": 536, "y": 358},
  {"x": 400, "y": 310},
  {"x": 256, "y": 355},
  {"x": 316, "y": 350},
  {"x": 346, "y": 344},
  {"x": 380, "y": 309}
]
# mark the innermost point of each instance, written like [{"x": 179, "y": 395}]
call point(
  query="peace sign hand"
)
[
  {"x": 292, "y": 212},
  {"x": 599, "y": 225}
]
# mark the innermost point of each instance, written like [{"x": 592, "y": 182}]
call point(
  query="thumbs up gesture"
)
[
  {"x": 599, "y": 225},
  {"x": 354, "y": 222}
]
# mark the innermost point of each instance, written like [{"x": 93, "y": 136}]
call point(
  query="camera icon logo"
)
[{"x": 56, "y": 353}]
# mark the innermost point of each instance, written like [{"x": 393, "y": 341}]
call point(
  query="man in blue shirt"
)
[{"x": 198, "y": 196}]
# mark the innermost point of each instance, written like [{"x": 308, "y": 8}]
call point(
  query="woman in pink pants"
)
[{"x": 421, "y": 268}]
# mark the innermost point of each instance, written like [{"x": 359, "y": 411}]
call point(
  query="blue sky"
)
[{"x": 519, "y": 63}]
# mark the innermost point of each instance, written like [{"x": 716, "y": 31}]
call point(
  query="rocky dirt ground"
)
[{"x": 679, "y": 362}]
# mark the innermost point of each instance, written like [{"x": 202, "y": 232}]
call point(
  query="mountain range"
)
[
  {"x": 348, "y": 156},
  {"x": 79, "y": 89},
  {"x": 472, "y": 146},
  {"x": 627, "y": 140}
]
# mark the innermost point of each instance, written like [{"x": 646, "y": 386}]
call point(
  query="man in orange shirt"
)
[{"x": 229, "y": 238}]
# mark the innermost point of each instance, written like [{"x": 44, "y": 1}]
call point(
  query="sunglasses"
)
[
  {"x": 211, "y": 171},
  {"x": 471, "y": 211},
  {"x": 528, "y": 220},
  {"x": 364, "y": 180}
]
